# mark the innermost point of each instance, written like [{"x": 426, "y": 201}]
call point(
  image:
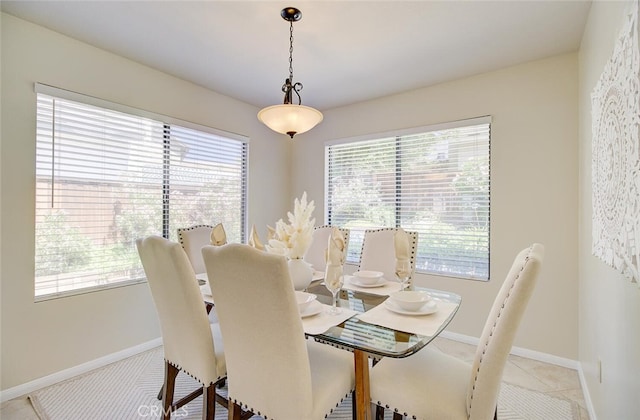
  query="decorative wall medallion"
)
[{"x": 615, "y": 109}]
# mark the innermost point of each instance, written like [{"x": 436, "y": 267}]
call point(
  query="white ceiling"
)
[{"x": 344, "y": 51}]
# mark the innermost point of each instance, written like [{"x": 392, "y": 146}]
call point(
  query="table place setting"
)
[
  {"x": 381, "y": 286},
  {"x": 316, "y": 317},
  {"x": 424, "y": 308},
  {"x": 320, "y": 319},
  {"x": 373, "y": 282},
  {"x": 410, "y": 311}
]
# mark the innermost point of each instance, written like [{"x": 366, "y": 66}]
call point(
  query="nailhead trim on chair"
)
[
  {"x": 188, "y": 373},
  {"x": 484, "y": 350},
  {"x": 180, "y": 230},
  {"x": 245, "y": 407},
  {"x": 413, "y": 235},
  {"x": 345, "y": 232},
  {"x": 338, "y": 404},
  {"x": 395, "y": 410}
]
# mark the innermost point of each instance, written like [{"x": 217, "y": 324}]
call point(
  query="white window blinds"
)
[
  {"x": 434, "y": 180},
  {"x": 105, "y": 178}
]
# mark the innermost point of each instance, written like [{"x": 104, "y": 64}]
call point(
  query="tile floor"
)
[{"x": 542, "y": 377}]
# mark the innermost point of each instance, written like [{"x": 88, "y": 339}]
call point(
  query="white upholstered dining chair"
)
[
  {"x": 433, "y": 385},
  {"x": 273, "y": 370},
  {"x": 191, "y": 344},
  {"x": 315, "y": 254},
  {"x": 192, "y": 240},
  {"x": 379, "y": 253}
]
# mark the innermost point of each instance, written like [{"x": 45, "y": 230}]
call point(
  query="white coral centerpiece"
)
[{"x": 293, "y": 239}]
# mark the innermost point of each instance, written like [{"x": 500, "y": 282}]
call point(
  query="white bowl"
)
[
  {"x": 304, "y": 299},
  {"x": 410, "y": 300},
  {"x": 368, "y": 277}
]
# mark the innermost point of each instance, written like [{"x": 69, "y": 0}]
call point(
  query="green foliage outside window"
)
[{"x": 76, "y": 255}]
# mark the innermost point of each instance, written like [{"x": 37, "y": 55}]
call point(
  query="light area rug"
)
[{"x": 127, "y": 390}]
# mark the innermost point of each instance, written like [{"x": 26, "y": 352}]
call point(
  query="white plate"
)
[
  {"x": 428, "y": 308},
  {"x": 355, "y": 282},
  {"x": 314, "y": 308}
]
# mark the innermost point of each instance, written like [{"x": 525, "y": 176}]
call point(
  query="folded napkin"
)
[
  {"x": 333, "y": 275},
  {"x": 401, "y": 243},
  {"x": 384, "y": 290},
  {"x": 426, "y": 325},
  {"x": 317, "y": 324},
  {"x": 254, "y": 239},
  {"x": 218, "y": 235},
  {"x": 334, "y": 254}
]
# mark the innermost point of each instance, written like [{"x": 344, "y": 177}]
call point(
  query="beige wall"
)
[
  {"x": 609, "y": 304},
  {"x": 38, "y": 339},
  {"x": 533, "y": 183},
  {"x": 539, "y": 165}
]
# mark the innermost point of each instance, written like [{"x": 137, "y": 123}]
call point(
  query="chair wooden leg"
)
[
  {"x": 379, "y": 412},
  {"x": 187, "y": 398},
  {"x": 235, "y": 412},
  {"x": 397, "y": 416},
  {"x": 354, "y": 412},
  {"x": 170, "y": 373},
  {"x": 209, "y": 402},
  {"x": 495, "y": 414}
]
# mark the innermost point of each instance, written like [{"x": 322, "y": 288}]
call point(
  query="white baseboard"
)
[
  {"x": 518, "y": 351},
  {"x": 587, "y": 396},
  {"x": 26, "y": 388}
]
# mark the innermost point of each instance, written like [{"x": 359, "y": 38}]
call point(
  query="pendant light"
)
[{"x": 288, "y": 118}]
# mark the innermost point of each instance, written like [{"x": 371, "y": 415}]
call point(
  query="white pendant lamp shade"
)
[{"x": 289, "y": 118}]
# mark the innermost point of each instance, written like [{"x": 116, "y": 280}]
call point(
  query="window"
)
[
  {"x": 108, "y": 174},
  {"x": 434, "y": 180}
]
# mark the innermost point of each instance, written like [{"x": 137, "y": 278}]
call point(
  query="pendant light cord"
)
[
  {"x": 290, "y": 87},
  {"x": 291, "y": 51}
]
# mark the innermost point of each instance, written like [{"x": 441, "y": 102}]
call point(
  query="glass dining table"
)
[{"x": 369, "y": 340}]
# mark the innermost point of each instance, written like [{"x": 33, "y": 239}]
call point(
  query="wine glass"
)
[
  {"x": 333, "y": 280},
  {"x": 403, "y": 271}
]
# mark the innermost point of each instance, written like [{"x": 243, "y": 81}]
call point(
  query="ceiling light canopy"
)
[{"x": 289, "y": 118}]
